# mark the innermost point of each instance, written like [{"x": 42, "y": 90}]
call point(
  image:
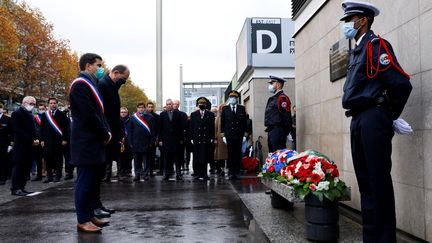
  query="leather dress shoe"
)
[
  {"x": 28, "y": 192},
  {"x": 38, "y": 178},
  {"x": 101, "y": 214},
  {"x": 48, "y": 180},
  {"x": 18, "y": 193},
  {"x": 68, "y": 177},
  {"x": 99, "y": 222},
  {"x": 109, "y": 210},
  {"x": 88, "y": 227},
  {"x": 136, "y": 178},
  {"x": 56, "y": 179},
  {"x": 179, "y": 178}
]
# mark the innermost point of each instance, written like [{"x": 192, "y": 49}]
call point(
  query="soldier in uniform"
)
[
  {"x": 233, "y": 131},
  {"x": 5, "y": 145},
  {"x": 202, "y": 136},
  {"x": 54, "y": 139},
  {"x": 277, "y": 118},
  {"x": 375, "y": 92}
]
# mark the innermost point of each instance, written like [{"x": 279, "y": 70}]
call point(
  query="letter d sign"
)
[
  {"x": 266, "y": 37},
  {"x": 273, "y": 41}
]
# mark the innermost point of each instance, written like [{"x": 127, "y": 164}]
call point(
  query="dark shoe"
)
[
  {"x": 166, "y": 178},
  {"x": 232, "y": 177},
  {"x": 206, "y": 178},
  {"x": 88, "y": 227},
  {"x": 101, "y": 214},
  {"x": 179, "y": 178},
  {"x": 56, "y": 179},
  {"x": 2, "y": 182},
  {"x": 68, "y": 177},
  {"x": 28, "y": 192},
  {"x": 38, "y": 178},
  {"x": 99, "y": 222},
  {"x": 136, "y": 178},
  {"x": 109, "y": 210},
  {"x": 146, "y": 178},
  {"x": 48, "y": 180},
  {"x": 18, "y": 193},
  {"x": 268, "y": 192},
  {"x": 107, "y": 179}
]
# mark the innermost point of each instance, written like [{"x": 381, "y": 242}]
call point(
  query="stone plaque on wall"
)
[{"x": 339, "y": 57}]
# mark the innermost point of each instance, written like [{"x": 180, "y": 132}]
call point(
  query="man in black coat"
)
[
  {"x": 233, "y": 130},
  {"x": 152, "y": 148},
  {"x": 25, "y": 138},
  {"x": 38, "y": 153},
  {"x": 202, "y": 135},
  {"x": 54, "y": 139},
  {"x": 126, "y": 155},
  {"x": 141, "y": 137},
  {"x": 90, "y": 133},
  {"x": 6, "y": 139},
  {"x": 171, "y": 138},
  {"x": 108, "y": 87},
  {"x": 184, "y": 118}
]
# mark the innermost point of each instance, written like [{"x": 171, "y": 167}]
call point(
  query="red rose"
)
[
  {"x": 316, "y": 178},
  {"x": 335, "y": 173},
  {"x": 271, "y": 168}
]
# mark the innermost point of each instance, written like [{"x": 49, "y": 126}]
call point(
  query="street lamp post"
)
[{"x": 159, "y": 54}]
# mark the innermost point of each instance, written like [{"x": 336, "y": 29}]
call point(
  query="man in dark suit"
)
[
  {"x": 141, "y": 138},
  {"x": 108, "y": 87},
  {"x": 233, "y": 131},
  {"x": 184, "y": 118},
  {"x": 201, "y": 133},
  {"x": 38, "y": 153},
  {"x": 54, "y": 139},
  {"x": 171, "y": 138},
  {"x": 5, "y": 145},
  {"x": 25, "y": 138},
  {"x": 89, "y": 134},
  {"x": 126, "y": 155},
  {"x": 152, "y": 147}
]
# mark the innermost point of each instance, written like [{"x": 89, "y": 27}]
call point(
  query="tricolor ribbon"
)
[
  {"x": 53, "y": 123},
  {"x": 92, "y": 88},
  {"x": 142, "y": 122},
  {"x": 38, "y": 120}
]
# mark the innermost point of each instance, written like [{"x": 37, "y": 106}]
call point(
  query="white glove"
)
[
  {"x": 244, "y": 139},
  {"x": 224, "y": 140},
  {"x": 9, "y": 149},
  {"x": 400, "y": 126},
  {"x": 192, "y": 142},
  {"x": 211, "y": 140}
]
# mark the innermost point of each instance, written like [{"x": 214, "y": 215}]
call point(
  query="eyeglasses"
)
[{"x": 33, "y": 104}]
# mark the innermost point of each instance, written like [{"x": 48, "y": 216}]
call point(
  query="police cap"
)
[
  {"x": 276, "y": 79},
  {"x": 203, "y": 100},
  {"x": 353, "y": 7}
]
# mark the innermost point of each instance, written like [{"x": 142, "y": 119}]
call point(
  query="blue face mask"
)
[
  {"x": 100, "y": 73},
  {"x": 271, "y": 88},
  {"x": 349, "y": 31},
  {"x": 232, "y": 100}
]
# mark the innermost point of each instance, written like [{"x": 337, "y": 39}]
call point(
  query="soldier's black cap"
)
[
  {"x": 203, "y": 100},
  {"x": 234, "y": 93},
  {"x": 353, "y": 7},
  {"x": 276, "y": 79}
]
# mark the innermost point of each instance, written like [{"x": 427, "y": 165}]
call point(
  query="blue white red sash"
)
[
  {"x": 142, "y": 122},
  {"x": 92, "y": 88},
  {"x": 53, "y": 123},
  {"x": 38, "y": 120}
]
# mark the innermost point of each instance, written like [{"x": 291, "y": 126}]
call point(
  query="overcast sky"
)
[{"x": 200, "y": 34}]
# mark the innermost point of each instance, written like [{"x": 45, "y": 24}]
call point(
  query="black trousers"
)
[
  {"x": 171, "y": 158},
  {"x": 371, "y": 135},
  {"x": 277, "y": 139},
  {"x": 112, "y": 152},
  {"x": 20, "y": 172},
  {"x": 125, "y": 159},
  {"x": 140, "y": 159},
  {"x": 39, "y": 155},
  {"x": 234, "y": 147},
  {"x": 99, "y": 176},
  {"x": 201, "y": 157},
  {"x": 69, "y": 168},
  {"x": 5, "y": 164},
  {"x": 87, "y": 191},
  {"x": 54, "y": 162},
  {"x": 151, "y": 159}
]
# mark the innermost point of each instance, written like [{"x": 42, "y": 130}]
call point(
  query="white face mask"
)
[
  {"x": 232, "y": 100},
  {"x": 29, "y": 107},
  {"x": 271, "y": 88},
  {"x": 1, "y": 111}
]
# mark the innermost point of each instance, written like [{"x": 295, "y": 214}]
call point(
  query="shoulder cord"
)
[{"x": 375, "y": 70}]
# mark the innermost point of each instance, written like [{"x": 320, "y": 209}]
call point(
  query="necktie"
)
[{"x": 233, "y": 109}]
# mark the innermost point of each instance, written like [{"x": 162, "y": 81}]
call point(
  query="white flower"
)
[
  {"x": 336, "y": 180},
  {"x": 295, "y": 182},
  {"x": 323, "y": 186},
  {"x": 298, "y": 165}
]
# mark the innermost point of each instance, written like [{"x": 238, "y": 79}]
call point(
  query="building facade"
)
[{"x": 321, "y": 123}]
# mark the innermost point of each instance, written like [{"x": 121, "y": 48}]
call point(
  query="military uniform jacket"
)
[
  {"x": 278, "y": 113},
  {"x": 51, "y": 138},
  {"x": 171, "y": 131},
  {"x": 139, "y": 138},
  {"x": 89, "y": 127},
  {"x": 233, "y": 125},
  {"x": 24, "y": 132},
  {"x": 202, "y": 129},
  {"x": 6, "y": 137},
  {"x": 362, "y": 92}
]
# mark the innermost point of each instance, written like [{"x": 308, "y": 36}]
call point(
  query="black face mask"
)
[
  {"x": 202, "y": 107},
  {"x": 121, "y": 81}
]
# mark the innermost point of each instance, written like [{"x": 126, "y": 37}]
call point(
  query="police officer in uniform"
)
[
  {"x": 277, "y": 118},
  {"x": 233, "y": 132},
  {"x": 201, "y": 133},
  {"x": 375, "y": 92}
]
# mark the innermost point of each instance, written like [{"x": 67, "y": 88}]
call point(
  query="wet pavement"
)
[{"x": 151, "y": 211}]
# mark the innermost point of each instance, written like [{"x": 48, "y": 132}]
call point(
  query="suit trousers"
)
[
  {"x": 20, "y": 173},
  {"x": 126, "y": 162},
  {"x": 171, "y": 158},
  {"x": 141, "y": 158},
  {"x": 54, "y": 162},
  {"x": 234, "y": 147},
  {"x": 371, "y": 135},
  {"x": 87, "y": 189},
  {"x": 39, "y": 160},
  {"x": 4, "y": 164},
  {"x": 277, "y": 139}
]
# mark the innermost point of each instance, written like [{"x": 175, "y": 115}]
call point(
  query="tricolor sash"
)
[
  {"x": 53, "y": 123},
  {"x": 142, "y": 122},
  {"x": 38, "y": 120},
  {"x": 92, "y": 88}
]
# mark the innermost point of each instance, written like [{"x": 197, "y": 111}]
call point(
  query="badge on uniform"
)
[
  {"x": 284, "y": 104},
  {"x": 384, "y": 59}
]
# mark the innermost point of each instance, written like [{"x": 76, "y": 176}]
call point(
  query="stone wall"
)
[{"x": 321, "y": 122}]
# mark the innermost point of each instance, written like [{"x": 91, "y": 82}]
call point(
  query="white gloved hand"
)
[
  {"x": 211, "y": 140},
  {"x": 9, "y": 149},
  {"x": 400, "y": 126},
  {"x": 224, "y": 140},
  {"x": 244, "y": 139},
  {"x": 192, "y": 142}
]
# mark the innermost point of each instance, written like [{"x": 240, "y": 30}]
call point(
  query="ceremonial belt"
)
[
  {"x": 92, "y": 88},
  {"x": 381, "y": 101},
  {"x": 53, "y": 123},
  {"x": 142, "y": 122}
]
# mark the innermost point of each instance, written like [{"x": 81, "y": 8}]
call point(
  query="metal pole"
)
[
  {"x": 182, "y": 102},
  {"x": 159, "y": 54}
]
